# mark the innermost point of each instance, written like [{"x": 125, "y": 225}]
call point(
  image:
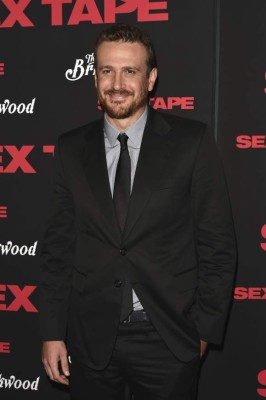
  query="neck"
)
[{"x": 123, "y": 124}]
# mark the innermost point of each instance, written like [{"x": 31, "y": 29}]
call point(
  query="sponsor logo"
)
[
  {"x": 19, "y": 158},
  {"x": 85, "y": 11},
  {"x": 263, "y": 234},
  {"x": 2, "y": 68},
  {"x": 81, "y": 68},
  {"x": 14, "y": 249},
  {"x": 251, "y": 141},
  {"x": 21, "y": 108},
  {"x": 20, "y": 298},
  {"x": 13, "y": 382},
  {"x": 4, "y": 347},
  {"x": 250, "y": 293},
  {"x": 262, "y": 381},
  {"x": 3, "y": 211}
]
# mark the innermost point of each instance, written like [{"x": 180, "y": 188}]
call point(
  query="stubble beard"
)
[{"x": 118, "y": 110}]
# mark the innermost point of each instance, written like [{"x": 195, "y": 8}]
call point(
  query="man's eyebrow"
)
[
  {"x": 130, "y": 67},
  {"x": 105, "y": 66},
  {"x": 123, "y": 68}
]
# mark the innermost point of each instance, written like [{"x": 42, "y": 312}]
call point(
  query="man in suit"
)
[{"x": 139, "y": 252}]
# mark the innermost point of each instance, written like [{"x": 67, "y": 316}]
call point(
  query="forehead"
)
[{"x": 121, "y": 53}]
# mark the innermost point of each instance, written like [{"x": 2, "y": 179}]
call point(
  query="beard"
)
[{"x": 117, "y": 109}]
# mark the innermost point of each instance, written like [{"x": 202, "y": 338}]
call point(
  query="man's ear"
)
[{"x": 152, "y": 79}]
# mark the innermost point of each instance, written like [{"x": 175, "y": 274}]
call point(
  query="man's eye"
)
[
  {"x": 130, "y": 71},
  {"x": 106, "y": 71}
]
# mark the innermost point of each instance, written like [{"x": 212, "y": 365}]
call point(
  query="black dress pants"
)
[{"x": 142, "y": 361}]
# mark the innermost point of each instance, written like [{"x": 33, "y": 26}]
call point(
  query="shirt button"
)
[
  {"x": 123, "y": 252},
  {"x": 117, "y": 283}
]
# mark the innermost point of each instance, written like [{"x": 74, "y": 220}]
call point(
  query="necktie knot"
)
[{"x": 123, "y": 138}]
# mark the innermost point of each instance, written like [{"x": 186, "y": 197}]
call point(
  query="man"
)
[{"x": 139, "y": 252}]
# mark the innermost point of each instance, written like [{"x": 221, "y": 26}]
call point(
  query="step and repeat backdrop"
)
[{"x": 212, "y": 67}]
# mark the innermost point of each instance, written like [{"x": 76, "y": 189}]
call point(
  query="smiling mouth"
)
[{"x": 118, "y": 96}]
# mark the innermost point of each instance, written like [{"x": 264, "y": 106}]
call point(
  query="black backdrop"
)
[{"x": 211, "y": 58}]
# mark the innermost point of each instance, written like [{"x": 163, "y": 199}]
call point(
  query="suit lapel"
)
[
  {"x": 97, "y": 175},
  {"x": 153, "y": 155}
]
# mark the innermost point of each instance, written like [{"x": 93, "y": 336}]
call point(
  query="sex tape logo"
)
[
  {"x": 14, "y": 298},
  {"x": 169, "y": 103},
  {"x": 3, "y": 211},
  {"x": 13, "y": 249},
  {"x": 262, "y": 382},
  {"x": 251, "y": 141},
  {"x": 13, "y": 382},
  {"x": 250, "y": 293},
  {"x": 2, "y": 68},
  {"x": 5, "y": 348},
  {"x": 15, "y": 159},
  {"x": 263, "y": 234},
  {"x": 18, "y": 12}
]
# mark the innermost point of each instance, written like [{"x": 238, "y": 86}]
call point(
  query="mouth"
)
[{"x": 118, "y": 96}]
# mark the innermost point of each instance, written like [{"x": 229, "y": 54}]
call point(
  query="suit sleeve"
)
[
  {"x": 215, "y": 242},
  {"x": 57, "y": 257}
]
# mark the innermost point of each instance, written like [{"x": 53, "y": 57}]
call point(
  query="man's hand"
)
[
  {"x": 203, "y": 347},
  {"x": 54, "y": 352}
]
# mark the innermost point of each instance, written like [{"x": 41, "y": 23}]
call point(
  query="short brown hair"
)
[{"x": 122, "y": 32}]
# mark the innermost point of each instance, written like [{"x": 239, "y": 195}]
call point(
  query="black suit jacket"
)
[{"x": 178, "y": 242}]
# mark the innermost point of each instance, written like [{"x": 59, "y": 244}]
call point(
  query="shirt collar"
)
[{"x": 134, "y": 132}]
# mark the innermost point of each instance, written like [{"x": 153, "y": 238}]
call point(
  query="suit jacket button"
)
[
  {"x": 117, "y": 283},
  {"x": 123, "y": 252}
]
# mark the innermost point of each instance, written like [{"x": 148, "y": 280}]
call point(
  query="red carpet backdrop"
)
[{"x": 212, "y": 67}]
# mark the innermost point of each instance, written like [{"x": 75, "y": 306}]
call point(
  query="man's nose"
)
[{"x": 118, "y": 81}]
